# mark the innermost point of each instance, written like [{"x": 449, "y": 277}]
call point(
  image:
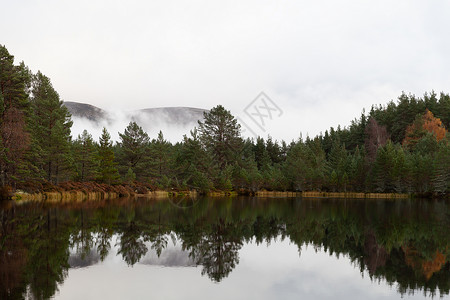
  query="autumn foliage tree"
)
[
  {"x": 434, "y": 125},
  {"x": 421, "y": 125}
]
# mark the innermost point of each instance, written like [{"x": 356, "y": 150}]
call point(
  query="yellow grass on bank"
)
[
  {"x": 56, "y": 197},
  {"x": 347, "y": 195},
  {"x": 78, "y": 196}
]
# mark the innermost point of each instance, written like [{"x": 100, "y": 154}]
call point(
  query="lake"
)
[{"x": 226, "y": 248}]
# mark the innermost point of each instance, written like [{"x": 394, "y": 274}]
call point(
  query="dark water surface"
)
[{"x": 239, "y": 248}]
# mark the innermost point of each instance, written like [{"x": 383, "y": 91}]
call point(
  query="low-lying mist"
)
[{"x": 173, "y": 127}]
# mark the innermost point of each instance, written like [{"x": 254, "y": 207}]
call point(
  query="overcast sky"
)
[{"x": 321, "y": 62}]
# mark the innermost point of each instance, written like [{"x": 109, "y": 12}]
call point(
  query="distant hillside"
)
[
  {"x": 83, "y": 110},
  {"x": 179, "y": 116}
]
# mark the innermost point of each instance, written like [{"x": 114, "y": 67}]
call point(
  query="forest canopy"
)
[{"x": 403, "y": 146}]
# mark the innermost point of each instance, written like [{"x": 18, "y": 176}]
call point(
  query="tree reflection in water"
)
[
  {"x": 402, "y": 242},
  {"x": 132, "y": 246},
  {"x": 218, "y": 250}
]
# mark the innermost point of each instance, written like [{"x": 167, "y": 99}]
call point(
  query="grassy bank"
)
[
  {"x": 80, "y": 196},
  {"x": 92, "y": 191},
  {"x": 347, "y": 195}
]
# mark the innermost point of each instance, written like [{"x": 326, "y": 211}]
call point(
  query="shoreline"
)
[{"x": 82, "y": 196}]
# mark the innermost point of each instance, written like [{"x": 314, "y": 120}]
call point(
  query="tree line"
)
[{"x": 399, "y": 147}]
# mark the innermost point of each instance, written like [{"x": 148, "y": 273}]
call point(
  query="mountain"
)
[
  {"x": 87, "y": 111},
  {"x": 178, "y": 116}
]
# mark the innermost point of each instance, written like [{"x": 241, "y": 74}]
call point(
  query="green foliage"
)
[
  {"x": 357, "y": 171},
  {"x": 51, "y": 127},
  {"x": 220, "y": 134},
  {"x": 130, "y": 177},
  {"x": 36, "y": 146},
  {"x": 165, "y": 182},
  {"x": 305, "y": 165},
  {"x": 107, "y": 170},
  {"x": 334, "y": 180},
  {"x": 338, "y": 162},
  {"x": 275, "y": 180},
  {"x": 276, "y": 152},
  {"x": 161, "y": 157},
  {"x": 262, "y": 157},
  {"x": 133, "y": 147},
  {"x": 427, "y": 144},
  {"x": 390, "y": 170},
  {"x": 441, "y": 171},
  {"x": 15, "y": 139},
  {"x": 195, "y": 163},
  {"x": 200, "y": 181},
  {"x": 85, "y": 154},
  {"x": 224, "y": 179}
]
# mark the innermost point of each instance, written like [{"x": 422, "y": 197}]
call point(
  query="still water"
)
[{"x": 234, "y": 248}]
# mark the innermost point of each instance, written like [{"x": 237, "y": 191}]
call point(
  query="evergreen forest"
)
[{"x": 401, "y": 147}]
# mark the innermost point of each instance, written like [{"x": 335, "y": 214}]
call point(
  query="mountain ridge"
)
[{"x": 175, "y": 115}]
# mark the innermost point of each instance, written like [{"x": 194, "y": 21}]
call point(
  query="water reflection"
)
[
  {"x": 404, "y": 243},
  {"x": 172, "y": 256},
  {"x": 77, "y": 260}
]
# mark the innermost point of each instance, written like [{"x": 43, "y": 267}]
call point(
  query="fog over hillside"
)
[{"x": 173, "y": 121}]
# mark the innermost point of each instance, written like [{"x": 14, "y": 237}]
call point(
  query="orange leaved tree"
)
[{"x": 421, "y": 126}]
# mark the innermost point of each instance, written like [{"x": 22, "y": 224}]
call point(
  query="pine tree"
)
[
  {"x": 318, "y": 163},
  {"x": 299, "y": 167},
  {"x": 196, "y": 164},
  {"x": 221, "y": 135},
  {"x": 107, "y": 171},
  {"x": 15, "y": 138},
  {"x": 406, "y": 110},
  {"x": 161, "y": 156},
  {"x": 274, "y": 151},
  {"x": 357, "y": 171},
  {"x": 262, "y": 157},
  {"x": 338, "y": 162},
  {"x": 421, "y": 171},
  {"x": 334, "y": 181},
  {"x": 246, "y": 174},
  {"x": 85, "y": 157},
  {"x": 390, "y": 170},
  {"x": 441, "y": 170},
  {"x": 130, "y": 177},
  {"x": 443, "y": 111},
  {"x": 133, "y": 150},
  {"x": 51, "y": 127}
]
